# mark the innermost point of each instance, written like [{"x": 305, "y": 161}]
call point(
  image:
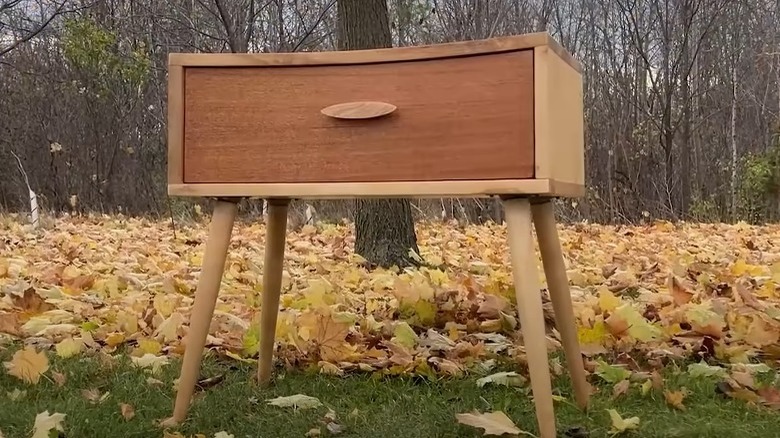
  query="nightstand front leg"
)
[
  {"x": 272, "y": 285},
  {"x": 213, "y": 268},
  {"x": 529, "y": 304},
  {"x": 558, "y": 284}
]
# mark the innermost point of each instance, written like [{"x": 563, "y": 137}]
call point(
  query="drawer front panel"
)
[{"x": 455, "y": 119}]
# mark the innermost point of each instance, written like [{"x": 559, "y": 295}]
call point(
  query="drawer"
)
[
  {"x": 501, "y": 116},
  {"x": 265, "y": 125}
]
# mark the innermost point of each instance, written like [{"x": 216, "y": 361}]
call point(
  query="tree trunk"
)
[
  {"x": 685, "y": 140},
  {"x": 384, "y": 228},
  {"x": 733, "y": 130}
]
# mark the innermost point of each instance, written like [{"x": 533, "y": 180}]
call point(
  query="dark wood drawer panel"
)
[{"x": 465, "y": 118}]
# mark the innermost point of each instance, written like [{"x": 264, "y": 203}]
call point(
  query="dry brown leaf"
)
[
  {"x": 620, "y": 388},
  {"x": 9, "y": 323},
  {"x": 128, "y": 412},
  {"x": 680, "y": 293},
  {"x": 748, "y": 298},
  {"x": 94, "y": 395},
  {"x": 657, "y": 379},
  {"x": 770, "y": 397},
  {"x": 492, "y": 306},
  {"x": 59, "y": 378},
  {"x": 31, "y": 303},
  {"x": 744, "y": 378}
]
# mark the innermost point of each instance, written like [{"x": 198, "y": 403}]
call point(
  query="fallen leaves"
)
[
  {"x": 675, "y": 398},
  {"x": 506, "y": 378},
  {"x": 769, "y": 396},
  {"x": 28, "y": 364},
  {"x": 742, "y": 385},
  {"x": 635, "y": 290},
  {"x": 127, "y": 411},
  {"x": 69, "y": 347},
  {"x": 94, "y": 395},
  {"x": 45, "y": 423},
  {"x": 657, "y": 293},
  {"x": 619, "y": 424},
  {"x": 220, "y": 434},
  {"x": 620, "y": 388},
  {"x": 150, "y": 362},
  {"x": 493, "y": 423},
  {"x": 297, "y": 401}
]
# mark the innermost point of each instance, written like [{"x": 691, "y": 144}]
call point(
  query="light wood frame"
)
[{"x": 558, "y": 171}]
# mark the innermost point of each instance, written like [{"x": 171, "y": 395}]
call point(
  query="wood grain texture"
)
[
  {"x": 543, "y": 215},
  {"x": 559, "y": 119},
  {"x": 358, "y": 110},
  {"x": 422, "y": 189},
  {"x": 468, "y": 118},
  {"x": 525, "y": 277},
  {"x": 396, "y": 54},
  {"x": 175, "y": 124},
  {"x": 212, "y": 269},
  {"x": 273, "y": 270}
]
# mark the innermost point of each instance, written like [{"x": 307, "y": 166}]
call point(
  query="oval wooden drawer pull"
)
[{"x": 358, "y": 110}]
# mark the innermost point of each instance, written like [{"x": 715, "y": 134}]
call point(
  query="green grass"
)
[{"x": 367, "y": 407}]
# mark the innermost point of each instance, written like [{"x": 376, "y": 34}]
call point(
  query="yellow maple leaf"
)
[
  {"x": 675, "y": 398},
  {"x": 763, "y": 333},
  {"x": 740, "y": 268},
  {"x": 318, "y": 293},
  {"x": 166, "y": 304},
  {"x": 4, "y": 267},
  {"x": 69, "y": 347},
  {"x": 114, "y": 339},
  {"x": 169, "y": 327},
  {"x": 404, "y": 335},
  {"x": 704, "y": 320},
  {"x": 28, "y": 364},
  {"x": 608, "y": 302},
  {"x": 593, "y": 339},
  {"x": 127, "y": 322},
  {"x": 328, "y": 333},
  {"x": 437, "y": 276},
  {"x": 626, "y": 320},
  {"x": 767, "y": 290},
  {"x": 148, "y": 346},
  {"x": 619, "y": 424}
]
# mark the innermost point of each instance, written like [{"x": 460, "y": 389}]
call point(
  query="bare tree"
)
[
  {"x": 384, "y": 229},
  {"x": 26, "y": 28},
  {"x": 682, "y": 97}
]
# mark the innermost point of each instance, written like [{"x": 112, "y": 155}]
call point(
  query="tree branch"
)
[
  {"x": 314, "y": 25},
  {"x": 59, "y": 10}
]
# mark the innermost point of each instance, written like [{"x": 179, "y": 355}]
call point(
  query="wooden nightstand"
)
[{"x": 498, "y": 117}]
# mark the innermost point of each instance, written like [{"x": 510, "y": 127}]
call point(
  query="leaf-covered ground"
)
[
  {"x": 96, "y": 390},
  {"x": 707, "y": 296}
]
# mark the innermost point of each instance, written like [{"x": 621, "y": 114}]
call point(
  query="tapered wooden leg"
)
[
  {"x": 529, "y": 303},
  {"x": 205, "y": 299},
  {"x": 272, "y": 285},
  {"x": 558, "y": 284}
]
